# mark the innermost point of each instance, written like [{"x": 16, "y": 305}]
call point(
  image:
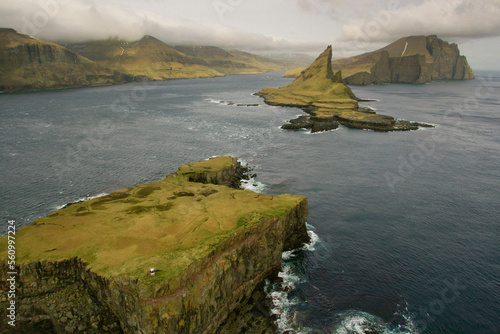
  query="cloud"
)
[
  {"x": 83, "y": 20},
  {"x": 459, "y": 19},
  {"x": 371, "y": 24}
]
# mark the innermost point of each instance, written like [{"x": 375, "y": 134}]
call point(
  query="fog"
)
[{"x": 263, "y": 26}]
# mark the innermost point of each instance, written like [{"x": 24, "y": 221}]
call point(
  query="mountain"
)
[
  {"x": 291, "y": 60},
  {"x": 413, "y": 59},
  {"x": 28, "y": 63},
  {"x": 146, "y": 59},
  {"x": 232, "y": 61},
  {"x": 323, "y": 94}
]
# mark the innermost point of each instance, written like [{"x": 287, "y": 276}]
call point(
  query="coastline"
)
[{"x": 221, "y": 274}]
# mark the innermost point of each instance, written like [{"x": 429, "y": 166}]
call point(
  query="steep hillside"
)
[
  {"x": 27, "y": 63},
  {"x": 148, "y": 58},
  {"x": 87, "y": 267},
  {"x": 323, "y": 94},
  {"x": 232, "y": 61},
  {"x": 413, "y": 59}
]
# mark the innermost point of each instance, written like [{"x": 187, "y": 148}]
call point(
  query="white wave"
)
[
  {"x": 358, "y": 322},
  {"x": 287, "y": 255},
  {"x": 225, "y": 103},
  {"x": 282, "y": 303},
  {"x": 253, "y": 185},
  {"x": 320, "y": 132},
  {"x": 425, "y": 128},
  {"x": 81, "y": 199},
  {"x": 314, "y": 240},
  {"x": 280, "y": 293}
]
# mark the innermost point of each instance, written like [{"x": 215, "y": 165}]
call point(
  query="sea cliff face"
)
[
  {"x": 27, "y": 63},
  {"x": 413, "y": 59},
  {"x": 209, "y": 271}
]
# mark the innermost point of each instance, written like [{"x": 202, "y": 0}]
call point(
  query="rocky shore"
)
[{"x": 87, "y": 267}]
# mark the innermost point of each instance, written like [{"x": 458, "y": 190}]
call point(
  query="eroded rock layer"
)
[{"x": 87, "y": 267}]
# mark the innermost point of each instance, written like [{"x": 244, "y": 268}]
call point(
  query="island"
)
[
  {"x": 179, "y": 255},
  {"x": 412, "y": 59},
  {"x": 325, "y": 97}
]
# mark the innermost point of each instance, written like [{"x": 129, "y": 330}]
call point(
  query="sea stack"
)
[{"x": 325, "y": 97}]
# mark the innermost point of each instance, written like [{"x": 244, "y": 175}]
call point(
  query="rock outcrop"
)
[
  {"x": 413, "y": 59},
  {"x": 87, "y": 267},
  {"x": 27, "y": 63},
  {"x": 323, "y": 95}
]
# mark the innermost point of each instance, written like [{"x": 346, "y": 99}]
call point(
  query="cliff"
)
[
  {"x": 27, "y": 63},
  {"x": 323, "y": 95},
  {"x": 147, "y": 58},
  {"x": 413, "y": 59},
  {"x": 87, "y": 266}
]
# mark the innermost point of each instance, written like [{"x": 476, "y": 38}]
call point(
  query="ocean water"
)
[{"x": 405, "y": 226}]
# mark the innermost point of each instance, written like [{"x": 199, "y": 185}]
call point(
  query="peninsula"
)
[
  {"x": 174, "y": 256},
  {"x": 323, "y": 95}
]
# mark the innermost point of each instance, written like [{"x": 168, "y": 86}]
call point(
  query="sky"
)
[{"x": 267, "y": 26}]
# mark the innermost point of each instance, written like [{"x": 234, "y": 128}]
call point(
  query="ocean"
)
[{"x": 405, "y": 226}]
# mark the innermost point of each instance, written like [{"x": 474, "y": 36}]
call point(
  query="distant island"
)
[
  {"x": 183, "y": 255},
  {"x": 324, "y": 95},
  {"x": 28, "y": 63},
  {"x": 413, "y": 59}
]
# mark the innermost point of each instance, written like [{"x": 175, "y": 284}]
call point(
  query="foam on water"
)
[
  {"x": 358, "y": 322},
  {"x": 280, "y": 293},
  {"x": 253, "y": 185},
  {"x": 81, "y": 199}
]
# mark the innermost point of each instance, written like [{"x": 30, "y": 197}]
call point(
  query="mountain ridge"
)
[
  {"x": 27, "y": 63},
  {"x": 412, "y": 59}
]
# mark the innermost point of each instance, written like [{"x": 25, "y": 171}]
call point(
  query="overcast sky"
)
[{"x": 264, "y": 26}]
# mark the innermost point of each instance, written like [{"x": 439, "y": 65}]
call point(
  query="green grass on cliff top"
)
[
  {"x": 315, "y": 86},
  {"x": 165, "y": 225}
]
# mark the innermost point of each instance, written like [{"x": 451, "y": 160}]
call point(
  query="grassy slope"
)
[
  {"x": 148, "y": 57},
  {"x": 232, "y": 61},
  {"x": 316, "y": 86},
  {"x": 166, "y": 225},
  {"x": 29, "y": 63},
  {"x": 319, "y": 88},
  {"x": 365, "y": 61}
]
